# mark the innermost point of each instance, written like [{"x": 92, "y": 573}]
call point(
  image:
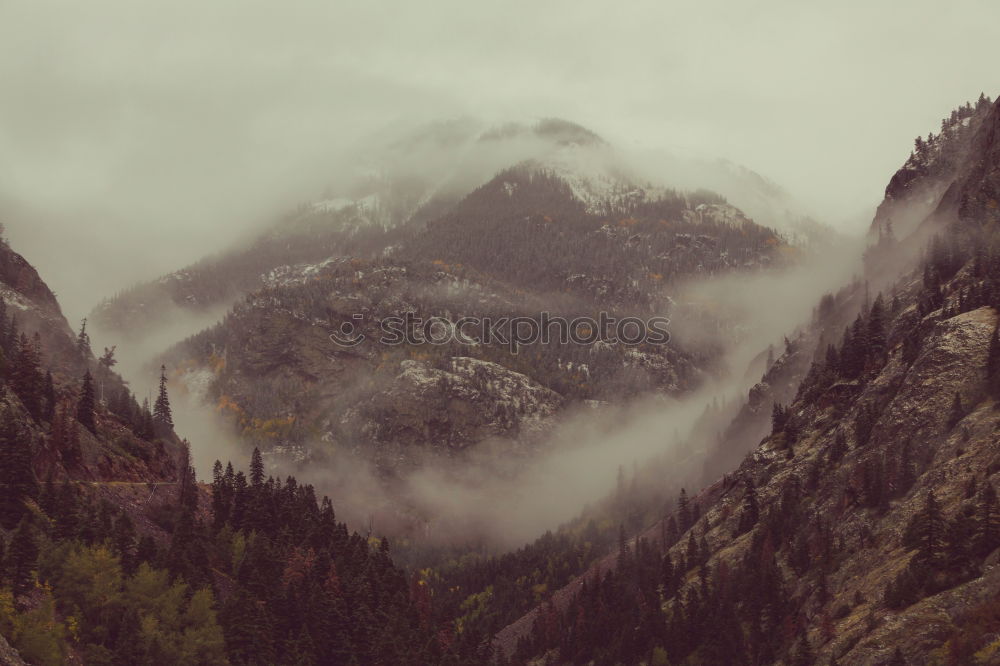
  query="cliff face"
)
[
  {"x": 863, "y": 529},
  {"x": 61, "y": 447},
  {"x": 30, "y": 301},
  {"x": 939, "y": 164},
  {"x": 8, "y": 655},
  {"x": 975, "y": 195},
  {"x": 912, "y": 428}
]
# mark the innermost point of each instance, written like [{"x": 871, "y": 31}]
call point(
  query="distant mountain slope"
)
[
  {"x": 419, "y": 177},
  {"x": 520, "y": 245}
]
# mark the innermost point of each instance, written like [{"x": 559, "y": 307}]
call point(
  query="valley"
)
[{"x": 803, "y": 470}]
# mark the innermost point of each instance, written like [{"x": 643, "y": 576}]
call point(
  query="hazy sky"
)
[{"x": 138, "y": 136}]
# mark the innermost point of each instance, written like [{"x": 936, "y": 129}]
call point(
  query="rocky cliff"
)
[{"x": 863, "y": 529}]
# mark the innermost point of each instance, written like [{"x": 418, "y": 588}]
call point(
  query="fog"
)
[
  {"x": 495, "y": 499},
  {"x": 137, "y": 138}
]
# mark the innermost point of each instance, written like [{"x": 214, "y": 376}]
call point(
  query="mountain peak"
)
[{"x": 558, "y": 131}]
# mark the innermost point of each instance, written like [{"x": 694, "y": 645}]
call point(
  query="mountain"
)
[
  {"x": 44, "y": 363},
  {"x": 525, "y": 244},
  {"x": 111, "y": 553},
  {"x": 413, "y": 177},
  {"x": 847, "y": 510},
  {"x": 863, "y": 528}
]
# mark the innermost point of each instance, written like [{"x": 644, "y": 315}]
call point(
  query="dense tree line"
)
[
  {"x": 938, "y": 153},
  {"x": 482, "y": 594},
  {"x": 303, "y": 588},
  {"x": 672, "y": 606},
  {"x": 681, "y": 606}
]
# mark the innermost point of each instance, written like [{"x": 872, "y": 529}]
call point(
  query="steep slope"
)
[
  {"x": 118, "y": 556},
  {"x": 864, "y": 528},
  {"x": 520, "y": 246},
  {"x": 44, "y": 368},
  {"x": 32, "y": 304},
  {"x": 70, "y": 421}
]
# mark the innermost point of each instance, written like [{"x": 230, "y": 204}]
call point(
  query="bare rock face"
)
[
  {"x": 471, "y": 401},
  {"x": 975, "y": 196},
  {"x": 953, "y": 360},
  {"x": 8, "y": 655},
  {"x": 114, "y": 452},
  {"x": 870, "y": 499},
  {"x": 29, "y": 299}
]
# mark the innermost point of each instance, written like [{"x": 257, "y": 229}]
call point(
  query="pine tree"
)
[
  {"x": 751, "y": 511},
  {"x": 301, "y": 651},
  {"x": 931, "y": 528},
  {"x": 48, "y": 398},
  {"x": 838, "y": 449},
  {"x": 187, "y": 479},
  {"x": 897, "y": 658},
  {"x": 23, "y": 556},
  {"x": 873, "y": 490},
  {"x": 83, "y": 341},
  {"x": 831, "y": 362},
  {"x": 993, "y": 364},
  {"x": 11, "y": 337},
  {"x": 256, "y": 468},
  {"x": 987, "y": 521},
  {"x": 147, "y": 428},
  {"x": 220, "y": 496},
  {"x": 961, "y": 539},
  {"x": 802, "y": 655},
  {"x": 622, "y": 548},
  {"x": 957, "y": 411},
  {"x": 162, "y": 416},
  {"x": 85, "y": 406},
  {"x": 667, "y": 574},
  {"x": 876, "y": 332},
  {"x": 108, "y": 360},
  {"x": 779, "y": 417},
  {"x": 124, "y": 540},
  {"x": 240, "y": 494},
  {"x": 4, "y": 333},
  {"x": 249, "y": 635},
  {"x": 683, "y": 512},
  {"x": 671, "y": 534},
  {"x": 854, "y": 349},
  {"x": 905, "y": 477},
  {"x": 17, "y": 478},
  {"x": 26, "y": 377},
  {"x": 864, "y": 423},
  {"x": 72, "y": 454},
  {"x": 692, "y": 554}
]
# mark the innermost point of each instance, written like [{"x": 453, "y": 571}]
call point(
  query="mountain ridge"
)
[{"x": 833, "y": 502}]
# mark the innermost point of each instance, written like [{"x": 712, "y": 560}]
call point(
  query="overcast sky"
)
[{"x": 135, "y": 137}]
